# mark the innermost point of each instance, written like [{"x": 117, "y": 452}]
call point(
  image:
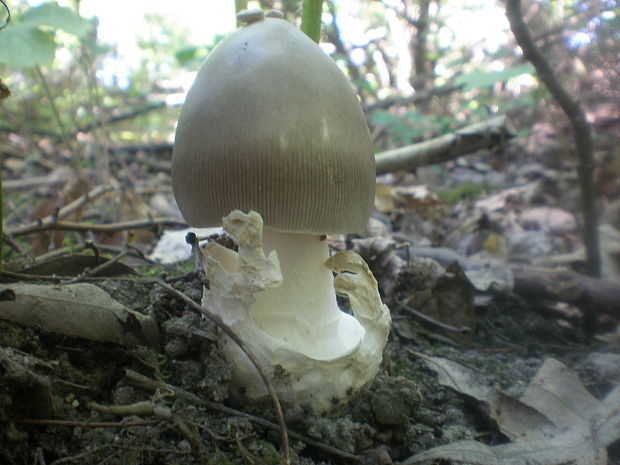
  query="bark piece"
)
[{"x": 81, "y": 310}]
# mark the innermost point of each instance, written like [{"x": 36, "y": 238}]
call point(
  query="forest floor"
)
[
  {"x": 492, "y": 374},
  {"x": 409, "y": 407}
]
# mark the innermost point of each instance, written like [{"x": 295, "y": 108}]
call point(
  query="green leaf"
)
[
  {"x": 481, "y": 79},
  {"x": 186, "y": 54},
  {"x": 22, "y": 46},
  {"x": 25, "y": 44},
  {"x": 57, "y": 17},
  {"x": 383, "y": 118}
]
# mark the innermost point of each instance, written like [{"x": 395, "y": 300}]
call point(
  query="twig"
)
[
  {"x": 147, "y": 408},
  {"x": 94, "y": 271},
  {"x": 63, "y": 212},
  {"x": 244, "y": 348},
  {"x": 99, "y": 122},
  {"x": 333, "y": 36},
  {"x": 141, "y": 381},
  {"x": 152, "y": 449},
  {"x": 581, "y": 131},
  {"x": 484, "y": 135},
  {"x": 49, "y": 180},
  {"x": 94, "y": 93},
  {"x": 60, "y": 278},
  {"x": 52, "y": 103},
  {"x": 111, "y": 227},
  {"x": 418, "y": 97},
  {"x": 80, "y": 456},
  {"x": 83, "y": 424},
  {"x": 427, "y": 319}
]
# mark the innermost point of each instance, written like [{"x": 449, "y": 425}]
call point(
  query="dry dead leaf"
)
[
  {"x": 389, "y": 198},
  {"x": 556, "y": 420},
  {"x": 458, "y": 377},
  {"x": 551, "y": 219}
]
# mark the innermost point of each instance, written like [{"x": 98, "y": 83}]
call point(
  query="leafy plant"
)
[
  {"x": 482, "y": 79},
  {"x": 31, "y": 40}
]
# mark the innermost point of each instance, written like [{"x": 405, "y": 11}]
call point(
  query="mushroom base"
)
[
  {"x": 241, "y": 292},
  {"x": 302, "y": 310}
]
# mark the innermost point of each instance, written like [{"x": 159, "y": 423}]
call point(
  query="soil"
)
[{"x": 58, "y": 394}]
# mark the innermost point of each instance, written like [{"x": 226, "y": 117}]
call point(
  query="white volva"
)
[{"x": 285, "y": 310}]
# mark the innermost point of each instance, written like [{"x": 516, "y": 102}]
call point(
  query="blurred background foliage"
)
[
  {"x": 91, "y": 80},
  {"x": 421, "y": 67}
]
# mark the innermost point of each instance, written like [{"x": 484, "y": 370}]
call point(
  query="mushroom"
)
[{"x": 272, "y": 126}]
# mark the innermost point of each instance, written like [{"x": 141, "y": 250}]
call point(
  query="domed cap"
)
[{"x": 272, "y": 125}]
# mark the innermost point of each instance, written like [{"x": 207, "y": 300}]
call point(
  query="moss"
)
[{"x": 464, "y": 190}]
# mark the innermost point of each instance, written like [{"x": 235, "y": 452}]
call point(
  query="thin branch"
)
[
  {"x": 81, "y": 456},
  {"x": 286, "y": 451},
  {"x": 134, "y": 113},
  {"x": 52, "y": 103},
  {"x": 108, "y": 228},
  {"x": 52, "y": 179},
  {"x": 432, "y": 321},
  {"x": 418, "y": 97},
  {"x": 141, "y": 381},
  {"x": 87, "y": 127},
  {"x": 105, "y": 265},
  {"x": 487, "y": 134},
  {"x": 333, "y": 36},
  {"x": 82, "y": 424},
  {"x": 77, "y": 204},
  {"x": 581, "y": 131}
]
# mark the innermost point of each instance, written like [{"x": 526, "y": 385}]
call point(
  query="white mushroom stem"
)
[{"x": 302, "y": 311}]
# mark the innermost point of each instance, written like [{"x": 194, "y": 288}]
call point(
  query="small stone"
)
[
  {"x": 377, "y": 456},
  {"x": 251, "y": 16},
  {"x": 176, "y": 347}
]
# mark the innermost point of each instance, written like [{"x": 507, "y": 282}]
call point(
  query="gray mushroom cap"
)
[{"x": 272, "y": 125}]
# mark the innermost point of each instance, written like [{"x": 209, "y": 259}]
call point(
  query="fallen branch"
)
[
  {"x": 488, "y": 134},
  {"x": 79, "y": 310},
  {"x": 568, "y": 286},
  {"x": 536, "y": 284},
  {"x": 55, "y": 178}
]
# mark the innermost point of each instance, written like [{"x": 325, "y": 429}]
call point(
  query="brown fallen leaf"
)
[{"x": 556, "y": 420}]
